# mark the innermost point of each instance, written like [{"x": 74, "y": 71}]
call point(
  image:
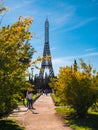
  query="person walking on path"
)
[{"x": 29, "y": 99}]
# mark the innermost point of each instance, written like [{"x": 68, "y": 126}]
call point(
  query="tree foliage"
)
[
  {"x": 3, "y": 11},
  {"x": 15, "y": 56},
  {"x": 77, "y": 88}
]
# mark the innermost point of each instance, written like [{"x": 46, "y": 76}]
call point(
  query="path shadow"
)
[
  {"x": 90, "y": 121},
  {"x": 9, "y": 125},
  {"x": 33, "y": 111}
]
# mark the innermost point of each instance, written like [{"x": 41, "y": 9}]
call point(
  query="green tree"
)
[
  {"x": 15, "y": 56},
  {"x": 77, "y": 88}
]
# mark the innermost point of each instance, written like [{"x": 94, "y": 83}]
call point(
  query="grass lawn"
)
[
  {"x": 6, "y": 124},
  {"x": 88, "y": 123},
  {"x": 56, "y": 100}
]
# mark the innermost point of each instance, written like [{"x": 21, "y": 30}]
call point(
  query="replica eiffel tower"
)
[{"x": 47, "y": 63}]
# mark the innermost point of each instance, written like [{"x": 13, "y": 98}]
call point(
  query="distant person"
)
[
  {"x": 29, "y": 100},
  {"x": 46, "y": 91}
]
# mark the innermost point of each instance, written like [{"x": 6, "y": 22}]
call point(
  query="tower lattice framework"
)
[{"x": 47, "y": 63}]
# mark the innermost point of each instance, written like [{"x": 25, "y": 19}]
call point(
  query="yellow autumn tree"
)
[
  {"x": 77, "y": 88},
  {"x": 15, "y": 57}
]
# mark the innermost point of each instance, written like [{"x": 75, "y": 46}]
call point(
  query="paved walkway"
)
[{"x": 44, "y": 116}]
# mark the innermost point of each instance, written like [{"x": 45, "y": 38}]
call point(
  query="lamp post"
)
[
  {"x": 32, "y": 74},
  {"x": 36, "y": 80}
]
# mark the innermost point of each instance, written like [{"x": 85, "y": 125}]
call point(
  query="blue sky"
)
[{"x": 73, "y": 28}]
